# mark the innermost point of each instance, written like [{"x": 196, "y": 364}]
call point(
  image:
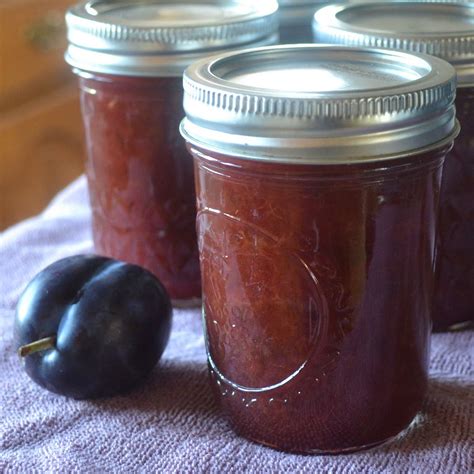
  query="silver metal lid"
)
[
  {"x": 297, "y": 12},
  {"x": 162, "y": 37},
  {"x": 319, "y": 104},
  {"x": 445, "y": 30}
]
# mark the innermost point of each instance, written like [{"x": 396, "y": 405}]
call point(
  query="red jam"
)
[
  {"x": 447, "y": 33},
  {"x": 318, "y": 332},
  {"x": 141, "y": 177},
  {"x": 454, "y": 295}
]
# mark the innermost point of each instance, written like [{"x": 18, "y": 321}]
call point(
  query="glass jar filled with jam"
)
[
  {"x": 318, "y": 171},
  {"x": 295, "y": 20},
  {"x": 444, "y": 30},
  {"x": 129, "y": 57}
]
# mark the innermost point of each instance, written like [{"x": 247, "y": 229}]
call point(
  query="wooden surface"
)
[
  {"x": 41, "y": 151},
  {"x": 41, "y": 137},
  {"x": 32, "y": 45}
]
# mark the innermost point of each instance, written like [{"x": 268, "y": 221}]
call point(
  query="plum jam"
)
[
  {"x": 141, "y": 181},
  {"x": 444, "y": 30},
  {"x": 140, "y": 176},
  {"x": 317, "y": 334},
  {"x": 454, "y": 295},
  {"x": 316, "y": 226}
]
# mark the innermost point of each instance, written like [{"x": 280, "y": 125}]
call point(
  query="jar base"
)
[
  {"x": 457, "y": 327},
  {"x": 334, "y": 452}
]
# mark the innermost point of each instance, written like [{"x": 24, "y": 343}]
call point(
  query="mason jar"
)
[
  {"x": 318, "y": 173},
  {"x": 295, "y": 20},
  {"x": 129, "y": 57},
  {"x": 444, "y": 30}
]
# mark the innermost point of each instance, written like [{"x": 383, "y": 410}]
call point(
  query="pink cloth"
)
[{"x": 172, "y": 424}]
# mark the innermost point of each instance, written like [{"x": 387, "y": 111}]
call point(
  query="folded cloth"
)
[{"x": 172, "y": 423}]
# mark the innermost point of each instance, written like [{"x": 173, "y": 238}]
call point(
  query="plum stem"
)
[{"x": 37, "y": 346}]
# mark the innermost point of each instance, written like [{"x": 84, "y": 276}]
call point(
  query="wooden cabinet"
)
[
  {"x": 41, "y": 151},
  {"x": 41, "y": 137}
]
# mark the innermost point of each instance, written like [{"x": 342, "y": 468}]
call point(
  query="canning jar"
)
[
  {"x": 129, "y": 57},
  {"x": 318, "y": 172},
  {"x": 444, "y": 30},
  {"x": 295, "y": 20}
]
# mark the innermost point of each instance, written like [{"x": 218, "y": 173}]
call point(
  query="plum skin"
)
[{"x": 112, "y": 322}]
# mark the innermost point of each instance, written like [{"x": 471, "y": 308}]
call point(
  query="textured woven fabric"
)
[{"x": 171, "y": 424}]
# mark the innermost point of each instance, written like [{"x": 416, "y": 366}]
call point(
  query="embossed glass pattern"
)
[
  {"x": 317, "y": 284},
  {"x": 317, "y": 213}
]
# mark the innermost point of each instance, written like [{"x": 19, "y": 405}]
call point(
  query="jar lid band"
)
[
  {"x": 160, "y": 37},
  {"x": 319, "y": 104},
  {"x": 441, "y": 29}
]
